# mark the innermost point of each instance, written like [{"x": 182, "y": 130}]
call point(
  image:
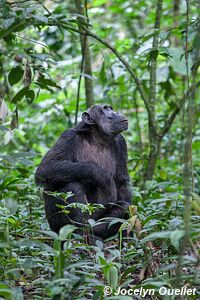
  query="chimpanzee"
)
[{"x": 90, "y": 161}]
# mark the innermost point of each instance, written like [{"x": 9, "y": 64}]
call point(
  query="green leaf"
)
[
  {"x": 98, "y": 2},
  {"x": 5, "y": 9},
  {"x": 112, "y": 277},
  {"x": 46, "y": 82},
  {"x": 102, "y": 74},
  {"x": 20, "y": 95},
  {"x": 196, "y": 145},
  {"x": 151, "y": 185},
  {"x": 25, "y": 243},
  {"x": 30, "y": 96},
  {"x": 196, "y": 41},
  {"x": 17, "y": 293},
  {"x": 3, "y": 128},
  {"x": 16, "y": 27},
  {"x": 40, "y": 56},
  {"x": 6, "y": 293},
  {"x": 15, "y": 75},
  {"x": 175, "y": 238},
  {"x": 50, "y": 233},
  {"x": 178, "y": 62},
  {"x": 66, "y": 231},
  {"x": 156, "y": 235}
]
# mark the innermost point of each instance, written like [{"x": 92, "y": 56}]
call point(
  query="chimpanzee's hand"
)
[
  {"x": 108, "y": 192},
  {"x": 93, "y": 173},
  {"x": 102, "y": 178}
]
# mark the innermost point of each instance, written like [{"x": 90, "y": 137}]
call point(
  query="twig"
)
[
  {"x": 19, "y": 2},
  {"x": 34, "y": 42},
  {"x": 45, "y": 8}
]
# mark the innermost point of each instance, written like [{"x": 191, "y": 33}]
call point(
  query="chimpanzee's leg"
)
[
  {"x": 104, "y": 230},
  {"x": 56, "y": 218}
]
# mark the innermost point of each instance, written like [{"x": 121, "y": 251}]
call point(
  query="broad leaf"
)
[{"x": 15, "y": 75}]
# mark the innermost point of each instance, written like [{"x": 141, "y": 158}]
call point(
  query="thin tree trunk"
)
[
  {"x": 176, "y": 9},
  {"x": 138, "y": 121},
  {"x": 154, "y": 139},
  {"x": 154, "y": 55},
  {"x": 81, "y": 10},
  {"x": 152, "y": 159},
  {"x": 187, "y": 170},
  {"x": 188, "y": 181},
  {"x": 189, "y": 122}
]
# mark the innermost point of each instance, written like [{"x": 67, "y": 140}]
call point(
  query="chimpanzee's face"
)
[
  {"x": 106, "y": 119},
  {"x": 111, "y": 121}
]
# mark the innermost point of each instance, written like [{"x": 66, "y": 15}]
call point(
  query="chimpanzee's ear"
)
[{"x": 87, "y": 119}]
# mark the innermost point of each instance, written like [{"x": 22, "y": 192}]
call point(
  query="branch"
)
[
  {"x": 170, "y": 120},
  {"x": 127, "y": 66},
  {"x": 19, "y": 2},
  {"x": 124, "y": 62},
  {"x": 35, "y": 42}
]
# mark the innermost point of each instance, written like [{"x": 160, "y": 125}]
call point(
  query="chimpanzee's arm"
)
[
  {"x": 122, "y": 177},
  {"x": 59, "y": 165}
]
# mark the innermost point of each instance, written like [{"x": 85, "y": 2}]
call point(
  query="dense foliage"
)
[{"x": 148, "y": 71}]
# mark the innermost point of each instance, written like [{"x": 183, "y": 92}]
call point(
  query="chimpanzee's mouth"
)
[{"x": 124, "y": 121}]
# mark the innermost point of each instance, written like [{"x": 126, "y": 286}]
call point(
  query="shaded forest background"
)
[{"x": 56, "y": 59}]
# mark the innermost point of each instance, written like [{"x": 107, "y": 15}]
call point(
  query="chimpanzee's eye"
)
[{"x": 107, "y": 107}]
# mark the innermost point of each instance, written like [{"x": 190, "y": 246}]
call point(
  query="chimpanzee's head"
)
[{"x": 105, "y": 119}]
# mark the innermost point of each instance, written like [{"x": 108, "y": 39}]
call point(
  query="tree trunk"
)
[
  {"x": 176, "y": 11},
  {"x": 154, "y": 138},
  {"x": 152, "y": 159},
  {"x": 87, "y": 68}
]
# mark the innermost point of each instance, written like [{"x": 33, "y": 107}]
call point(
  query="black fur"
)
[{"x": 89, "y": 160}]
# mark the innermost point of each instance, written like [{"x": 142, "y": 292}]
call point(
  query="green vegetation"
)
[{"x": 142, "y": 57}]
